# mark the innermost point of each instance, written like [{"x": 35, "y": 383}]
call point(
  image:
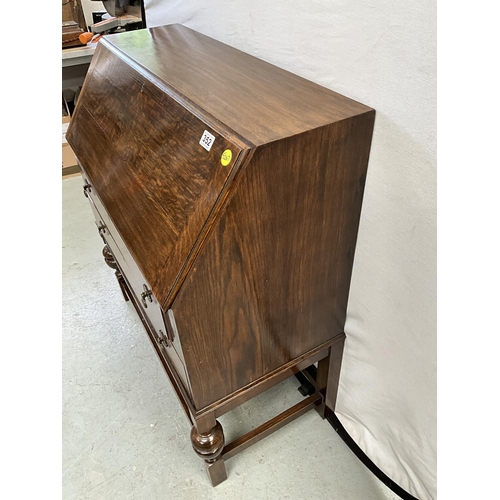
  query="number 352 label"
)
[{"x": 207, "y": 139}]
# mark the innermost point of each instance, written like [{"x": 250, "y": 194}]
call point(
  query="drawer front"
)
[{"x": 164, "y": 335}]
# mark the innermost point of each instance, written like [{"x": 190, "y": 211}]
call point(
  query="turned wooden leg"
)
[
  {"x": 109, "y": 257},
  {"x": 208, "y": 444},
  {"x": 328, "y": 377},
  {"x": 111, "y": 262}
]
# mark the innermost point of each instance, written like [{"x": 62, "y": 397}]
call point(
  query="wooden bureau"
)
[{"x": 228, "y": 194}]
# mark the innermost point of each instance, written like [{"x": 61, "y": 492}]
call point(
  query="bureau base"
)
[{"x": 207, "y": 435}]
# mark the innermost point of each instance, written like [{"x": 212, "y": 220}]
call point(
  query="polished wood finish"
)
[
  {"x": 174, "y": 182},
  {"x": 267, "y": 428},
  {"x": 277, "y": 284},
  {"x": 238, "y": 256},
  {"x": 332, "y": 377},
  {"x": 216, "y": 471},
  {"x": 255, "y": 99},
  {"x": 208, "y": 445},
  {"x": 260, "y": 385},
  {"x": 327, "y": 377}
]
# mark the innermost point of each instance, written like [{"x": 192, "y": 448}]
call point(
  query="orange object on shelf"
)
[{"x": 86, "y": 37}]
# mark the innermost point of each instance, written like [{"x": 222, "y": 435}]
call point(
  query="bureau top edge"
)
[
  {"x": 200, "y": 113},
  {"x": 255, "y": 101}
]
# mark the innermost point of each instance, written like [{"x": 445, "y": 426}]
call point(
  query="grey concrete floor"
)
[{"x": 125, "y": 435}]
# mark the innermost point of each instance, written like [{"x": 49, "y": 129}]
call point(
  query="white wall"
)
[{"x": 382, "y": 53}]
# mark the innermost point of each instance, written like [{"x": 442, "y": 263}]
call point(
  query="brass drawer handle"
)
[
  {"x": 163, "y": 340},
  {"x": 146, "y": 295},
  {"x": 101, "y": 228},
  {"x": 87, "y": 188}
]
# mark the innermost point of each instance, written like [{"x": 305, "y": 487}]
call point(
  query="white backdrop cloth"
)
[{"x": 383, "y": 54}]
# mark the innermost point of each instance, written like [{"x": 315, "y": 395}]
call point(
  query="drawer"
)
[{"x": 164, "y": 333}]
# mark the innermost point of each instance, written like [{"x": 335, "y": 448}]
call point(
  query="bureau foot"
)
[
  {"x": 216, "y": 471},
  {"x": 111, "y": 262},
  {"x": 327, "y": 378},
  {"x": 208, "y": 445}
]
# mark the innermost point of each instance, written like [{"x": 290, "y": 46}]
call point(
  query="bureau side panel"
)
[{"x": 272, "y": 280}]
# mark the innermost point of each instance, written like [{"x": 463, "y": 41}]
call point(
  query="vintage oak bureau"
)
[{"x": 228, "y": 194}]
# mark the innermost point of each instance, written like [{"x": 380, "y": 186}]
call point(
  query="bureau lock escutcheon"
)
[{"x": 146, "y": 295}]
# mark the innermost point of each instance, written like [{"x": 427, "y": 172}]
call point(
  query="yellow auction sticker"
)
[{"x": 225, "y": 159}]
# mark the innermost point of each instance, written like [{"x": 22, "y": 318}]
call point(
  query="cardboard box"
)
[
  {"x": 68, "y": 157},
  {"x": 69, "y": 163}
]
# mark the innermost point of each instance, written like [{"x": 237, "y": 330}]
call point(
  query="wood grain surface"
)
[
  {"x": 253, "y": 258},
  {"x": 273, "y": 279},
  {"x": 141, "y": 151},
  {"x": 258, "y": 100}
]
